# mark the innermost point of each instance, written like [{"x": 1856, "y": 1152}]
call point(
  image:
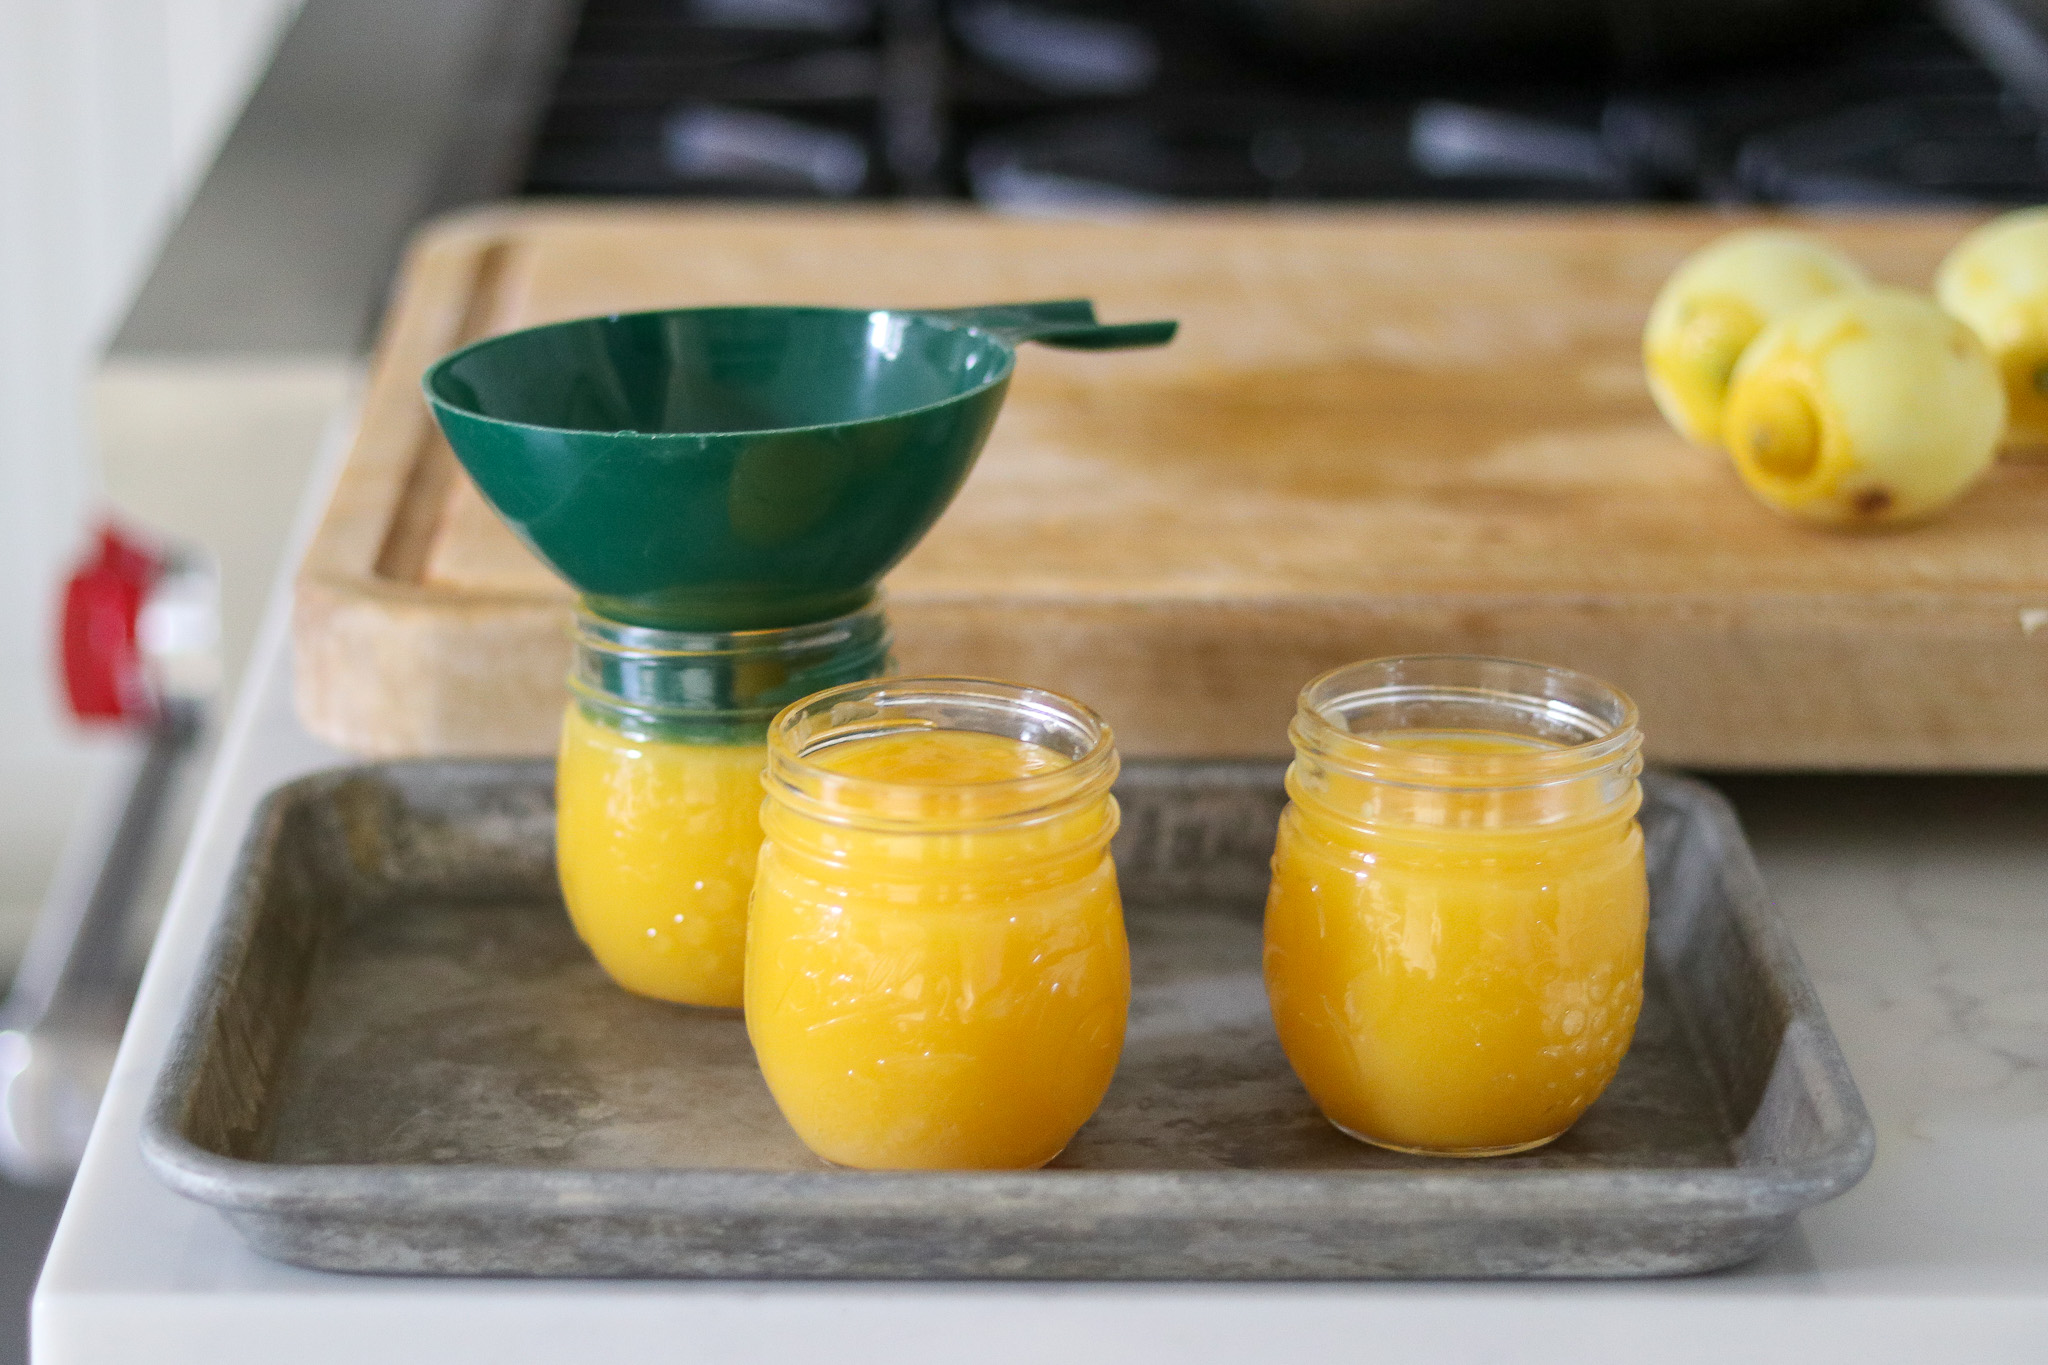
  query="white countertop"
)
[{"x": 1922, "y": 911}]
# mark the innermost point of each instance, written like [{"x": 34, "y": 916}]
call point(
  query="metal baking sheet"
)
[{"x": 400, "y": 1059}]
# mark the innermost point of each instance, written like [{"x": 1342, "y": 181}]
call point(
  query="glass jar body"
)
[
  {"x": 935, "y": 980},
  {"x": 658, "y": 790},
  {"x": 1455, "y": 930},
  {"x": 656, "y": 841}
]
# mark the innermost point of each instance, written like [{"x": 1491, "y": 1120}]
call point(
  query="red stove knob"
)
[{"x": 104, "y": 677}]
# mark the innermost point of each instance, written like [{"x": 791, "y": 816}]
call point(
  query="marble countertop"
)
[{"x": 1920, "y": 904}]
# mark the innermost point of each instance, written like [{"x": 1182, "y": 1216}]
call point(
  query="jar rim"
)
[
  {"x": 596, "y": 631},
  {"x": 717, "y": 686},
  {"x": 821, "y": 791},
  {"x": 1577, "y": 724}
]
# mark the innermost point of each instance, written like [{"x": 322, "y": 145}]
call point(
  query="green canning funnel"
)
[{"x": 739, "y": 468}]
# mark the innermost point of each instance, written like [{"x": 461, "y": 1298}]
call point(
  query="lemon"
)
[
  {"x": 1714, "y": 305},
  {"x": 1866, "y": 409},
  {"x": 1997, "y": 281}
]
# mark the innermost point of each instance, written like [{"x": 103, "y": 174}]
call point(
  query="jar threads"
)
[{"x": 717, "y": 686}]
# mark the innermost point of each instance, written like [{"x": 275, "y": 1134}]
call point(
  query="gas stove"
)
[{"x": 1075, "y": 105}]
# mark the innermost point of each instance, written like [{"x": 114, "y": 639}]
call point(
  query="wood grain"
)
[{"x": 1378, "y": 432}]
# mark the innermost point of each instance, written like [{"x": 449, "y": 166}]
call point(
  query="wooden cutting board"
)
[{"x": 1378, "y": 432}]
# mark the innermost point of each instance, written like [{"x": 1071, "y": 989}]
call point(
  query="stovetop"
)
[{"x": 1064, "y": 105}]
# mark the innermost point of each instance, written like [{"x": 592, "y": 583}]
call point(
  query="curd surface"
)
[
  {"x": 926, "y": 988},
  {"x": 1455, "y": 971},
  {"x": 656, "y": 842}
]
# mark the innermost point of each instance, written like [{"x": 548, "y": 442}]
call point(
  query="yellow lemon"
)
[
  {"x": 1715, "y": 304},
  {"x": 1997, "y": 281},
  {"x": 1866, "y": 409}
]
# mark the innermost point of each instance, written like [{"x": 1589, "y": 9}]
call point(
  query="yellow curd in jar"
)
[
  {"x": 928, "y": 987},
  {"x": 1456, "y": 970},
  {"x": 656, "y": 842},
  {"x": 658, "y": 786}
]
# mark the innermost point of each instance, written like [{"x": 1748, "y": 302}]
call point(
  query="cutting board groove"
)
[{"x": 430, "y": 479}]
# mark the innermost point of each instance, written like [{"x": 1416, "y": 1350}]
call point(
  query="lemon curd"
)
[
  {"x": 1455, "y": 929},
  {"x": 656, "y": 843},
  {"x": 658, "y": 789},
  {"x": 937, "y": 975}
]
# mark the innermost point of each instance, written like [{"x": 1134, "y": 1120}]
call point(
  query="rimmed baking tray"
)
[{"x": 398, "y": 1058}]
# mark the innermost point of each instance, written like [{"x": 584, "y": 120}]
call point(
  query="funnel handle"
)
[
  {"x": 1069, "y": 323},
  {"x": 1116, "y": 336},
  {"x": 1012, "y": 317}
]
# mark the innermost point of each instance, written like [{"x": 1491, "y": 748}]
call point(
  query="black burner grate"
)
[{"x": 1046, "y": 105}]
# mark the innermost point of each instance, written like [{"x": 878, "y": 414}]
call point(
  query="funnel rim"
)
[{"x": 998, "y": 375}]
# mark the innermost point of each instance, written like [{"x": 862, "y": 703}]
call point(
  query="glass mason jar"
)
[
  {"x": 937, "y": 975},
  {"x": 1455, "y": 931},
  {"x": 658, "y": 787}
]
